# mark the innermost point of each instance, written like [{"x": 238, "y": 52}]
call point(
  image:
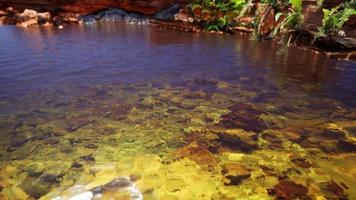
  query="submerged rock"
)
[
  {"x": 120, "y": 188},
  {"x": 273, "y": 139},
  {"x": 287, "y": 189},
  {"x": 333, "y": 191},
  {"x": 38, "y": 187},
  {"x": 301, "y": 162},
  {"x": 34, "y": 169},
  {"x": 17, "y": 144},
  {"x": 88, "y": 158},
  {"x": 199, "y": 154},
  {"x": 234, "y": 173},
  {"x": 333, "y": 141},
  {"x": 347, "y": 145},
  {"x": 243, "y": 116},
  {"x": 35, "y": 188},
  {"x": 238, "y": 140},
  {"x": 77, "y": 123},
  {"x": 50, "y": 178}
]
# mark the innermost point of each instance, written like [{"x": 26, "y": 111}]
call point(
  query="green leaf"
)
[
  {"x": 278, "y": 15},
  {"x": 296, "y": 5}
]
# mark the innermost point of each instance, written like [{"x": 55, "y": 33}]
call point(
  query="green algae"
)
[{"x": 178, "y": 141}]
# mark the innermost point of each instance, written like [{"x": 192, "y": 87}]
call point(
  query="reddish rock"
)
[
  {"x": 287, "y": 189},
  {"x": 234, "y": 173},
  {"x": 147, "y": 7},
  {"x": 199, "y": 154},
  {"x": 273, "y": 140},
  {"x": 301, "y": 162},
  {"x": 242, "y": 141},
  {"x": 243, "y": 116},
  {"x": 333, "y": 190}
]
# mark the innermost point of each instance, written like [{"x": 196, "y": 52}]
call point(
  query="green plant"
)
[
  {"x": 336, "y": 17},
  {"x": 275, "y": 3},
  {"x": 292, "y": 19},
  {"x": 320, "y": 3},
  {"x": 218, "y": 14},
  {"x": 220, "y": 24}
]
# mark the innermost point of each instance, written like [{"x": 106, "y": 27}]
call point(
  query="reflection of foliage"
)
[{"x": 335, "y": 18}]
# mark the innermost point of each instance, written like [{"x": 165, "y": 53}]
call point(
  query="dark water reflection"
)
[{"x": 79, "y": 55}]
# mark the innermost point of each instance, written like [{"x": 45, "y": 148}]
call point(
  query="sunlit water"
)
[{"x": 125, "y": 111}]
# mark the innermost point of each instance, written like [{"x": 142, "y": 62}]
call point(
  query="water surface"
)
[{"x": 178, "y": 115}]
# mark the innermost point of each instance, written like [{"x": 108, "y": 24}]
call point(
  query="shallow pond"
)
[{"x": 124, "y": 111}]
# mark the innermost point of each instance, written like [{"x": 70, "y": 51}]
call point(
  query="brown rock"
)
[
  {"x": 2, "y": 13},
  {"x": 330, "y": 141},
  {"x": 28, "y": 14},
  {"x": 287, "y": 189},
  {"x": 293, "y": 134},
  {"x": 183, "y": 16},
  {"x": 243, "y": 116},
  {"x": 43, "y": 17},
  {"x": 199, "y": 154},
  {"x": 28, "y": 23},
  {"x": 2, "y": 20},
  {"x": 351, "y": 55},
  {"x": 301, "y": 162},
  {"x": 273, "y": 140},
  {"x": 234, "y": 173},
  {"x": 333, "y": 190},
  {"x": 238, "y": 140},
  {"x": 77, "y": 123},
  {"x": 70, "y": 18},
  {"x": 347, "y": 145}
]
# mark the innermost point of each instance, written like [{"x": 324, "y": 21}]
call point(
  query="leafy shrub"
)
[
  {"x": 336, "y": 17},
  {"x": 219, "y": 14},
  {"x": 292, "y": 19}
]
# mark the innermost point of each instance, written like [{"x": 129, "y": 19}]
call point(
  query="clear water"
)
[{"x": 177, "y": 115}]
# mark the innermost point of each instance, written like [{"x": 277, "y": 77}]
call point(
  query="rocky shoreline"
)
[{"x": 176, "y": 15}]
